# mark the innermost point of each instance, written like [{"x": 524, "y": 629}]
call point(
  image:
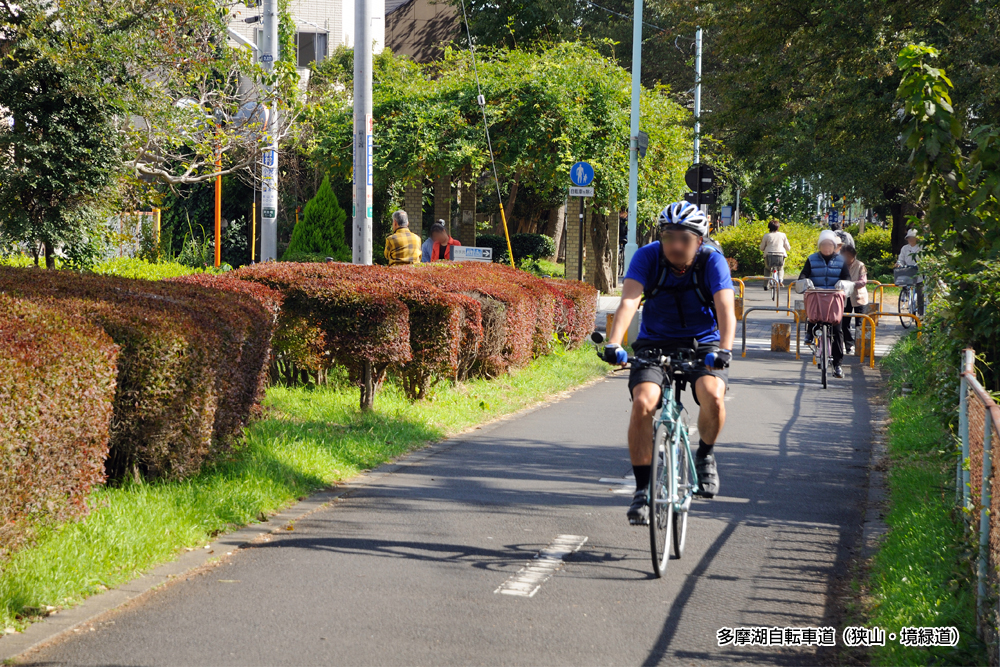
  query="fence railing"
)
[{"x": 978, "y": 424}]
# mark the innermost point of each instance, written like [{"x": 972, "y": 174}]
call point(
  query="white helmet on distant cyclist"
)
[{"x": 683, "y": 215}]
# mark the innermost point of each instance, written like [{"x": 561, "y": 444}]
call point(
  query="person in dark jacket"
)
[{"x": 825, "y": 269}]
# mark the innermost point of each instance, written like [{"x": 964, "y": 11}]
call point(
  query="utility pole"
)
[
  {"x": 270, "y": 51},
  {"x": 697, "y": 96},
  {"x": 633, "y": 141},
  {"x": 362, "y": 245}
]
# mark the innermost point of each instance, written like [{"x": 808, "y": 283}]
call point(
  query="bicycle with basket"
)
[
  {"x": 824, "y": 308},
  {"x": 906, "y": 278}
]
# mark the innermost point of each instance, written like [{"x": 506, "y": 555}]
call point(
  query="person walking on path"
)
[
  {"x": 775, "y": 247},
  {"x": 825, "y": 269},
  {"x": 402, "y": 246},
  {"x": 438, "y": 246},
  {"x": 859, "y": 299}
]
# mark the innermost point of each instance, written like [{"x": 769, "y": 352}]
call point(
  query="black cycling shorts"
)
[{"x": 655, "y": 374}]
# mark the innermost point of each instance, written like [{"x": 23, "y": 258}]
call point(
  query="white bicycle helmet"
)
[{"x": 684, "y": 215}]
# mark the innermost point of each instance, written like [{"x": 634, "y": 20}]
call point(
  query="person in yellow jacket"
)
[{"x": 402, "y": 246}]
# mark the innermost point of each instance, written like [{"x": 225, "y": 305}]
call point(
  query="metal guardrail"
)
[
  {"x": 770, "y": 309},
  {"x": 865, "y": 319},
  {"x": 971, "y": 389},
  {"x": 743, "y": 287}
]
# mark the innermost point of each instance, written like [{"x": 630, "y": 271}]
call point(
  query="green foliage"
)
[
  {"x": 742, "y": 243},
  {"x": 875, "y": 250},
  {"x": 922, "y": 573},
  {"x": 127, "y": 267},
  {"x": 321, "y": 229},
  {"x": 546, "y": 109},
  {"x": 57, "y": 383},
  {"x": 61, "y": 149},
  {"x": 526, "y": 247},
  {"x": 958, "y": 175}
]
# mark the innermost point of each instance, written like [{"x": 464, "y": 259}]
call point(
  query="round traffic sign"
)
[
  {"x": 700, "y": 178},
  {"x": 582, "y": 174}
]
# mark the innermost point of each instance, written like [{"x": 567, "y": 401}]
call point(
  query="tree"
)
[
  {"x": 807, "y": 89},
  {"x": 546, "y": 108},
  {"x": 58, "y": 151},
  {"x": 321, "y": 230}
]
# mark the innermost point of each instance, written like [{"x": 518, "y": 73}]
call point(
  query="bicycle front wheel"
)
[
  {"x": 904, "y": 306},
  {"x": 684, "y": 491},
  {"x": 661, "y": 509},
  {"x": 824, "y": 346}
]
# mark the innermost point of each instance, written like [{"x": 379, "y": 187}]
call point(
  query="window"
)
[{"x": 311, "y": 47}]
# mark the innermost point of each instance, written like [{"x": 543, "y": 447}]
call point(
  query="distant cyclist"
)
[
  {"x": 688, "y": 304},
  {"x": 826, "y": 269},
  {"x": 908, "y": 259},
  {"x": 775, "y": 247}
]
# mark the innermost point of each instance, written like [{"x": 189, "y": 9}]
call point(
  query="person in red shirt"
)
[{"x": 438, "y": 246}]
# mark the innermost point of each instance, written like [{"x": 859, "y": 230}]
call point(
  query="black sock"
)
[
  {"x": 641, "y": 476},
  {"x": 704, "y": 449}
]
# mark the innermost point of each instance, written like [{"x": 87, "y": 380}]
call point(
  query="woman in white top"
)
[
  {"x": 859, "y": 299},
  {"x": 775, "y": 247}
]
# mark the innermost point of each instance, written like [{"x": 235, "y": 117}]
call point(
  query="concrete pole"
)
[
  {"x": 633, "y": 142},
  {"x": 697, "y": 97},
  {"x": 362, "y": 246},
  {"x": 270, "y": 51}
]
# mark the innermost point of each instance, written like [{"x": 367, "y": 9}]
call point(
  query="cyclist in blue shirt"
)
[{"x": 689, "y": 304}]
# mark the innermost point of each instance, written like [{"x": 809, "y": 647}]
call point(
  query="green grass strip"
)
[
  {"x": 310, "y": 439},
  {"x": 922, "y": 573}
]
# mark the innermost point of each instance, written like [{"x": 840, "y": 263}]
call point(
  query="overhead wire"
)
[{"x": 486, "y": 125}]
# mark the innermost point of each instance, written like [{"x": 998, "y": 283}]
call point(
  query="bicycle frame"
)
[{"x": 670, "y": 416}]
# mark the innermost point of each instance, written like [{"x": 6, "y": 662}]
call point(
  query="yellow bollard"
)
[
  {"x": 610, "y": 321},
  {"x": 781, "y": 337}
]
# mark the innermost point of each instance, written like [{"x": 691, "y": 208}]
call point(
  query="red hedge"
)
[
  {"x": 439, "y": 325},
  {"x": 189, "y": 367},
  {"x": 57, "y": 383}
]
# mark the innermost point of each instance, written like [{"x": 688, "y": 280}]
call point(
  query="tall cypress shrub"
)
[{"x": 320, "y": 232}]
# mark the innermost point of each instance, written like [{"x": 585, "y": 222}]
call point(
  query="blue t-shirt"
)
[{"x": 661, "y": 318}]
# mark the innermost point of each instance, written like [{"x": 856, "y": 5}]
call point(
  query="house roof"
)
[{"x": 392, "y": 5}]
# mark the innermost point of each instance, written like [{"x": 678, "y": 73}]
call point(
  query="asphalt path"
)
[{"x": 405, "y": 570}]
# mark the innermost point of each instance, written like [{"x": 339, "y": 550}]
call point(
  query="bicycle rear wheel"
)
[
  {"x": 904, "y": 306},
  {"x": 773, "y": 285},
  {"x": 684, "y": 493},
  {"x": 660, "y": 506},
  {"x": 824, "y": 347}
]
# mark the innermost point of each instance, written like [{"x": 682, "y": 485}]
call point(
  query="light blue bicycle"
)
[{"x": 673, "y": 479}]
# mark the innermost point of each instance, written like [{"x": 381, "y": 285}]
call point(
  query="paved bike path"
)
[{"x": 404, "y": 571}]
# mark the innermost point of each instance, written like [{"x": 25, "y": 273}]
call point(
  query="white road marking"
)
[
  {"x": 623, "y": 486},
  {"x": 530, "y": 578}
]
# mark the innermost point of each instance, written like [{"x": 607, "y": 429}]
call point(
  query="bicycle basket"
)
[
  {"x": 904, "y": 276},
  {"x": 825, "y": 306}
]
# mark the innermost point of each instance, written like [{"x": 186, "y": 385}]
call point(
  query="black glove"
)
[
  {"x": 719, "y": 359},
  {"x": 615, "y": 355}
]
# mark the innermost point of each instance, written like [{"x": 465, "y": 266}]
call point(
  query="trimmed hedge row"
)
[
  {"x": 190, "y": 365},
  {"x": 57, "y": 383},
  {"x": 427, "y": 322}
]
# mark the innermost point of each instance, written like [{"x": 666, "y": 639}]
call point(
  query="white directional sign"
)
[
  {"x": 581, "y": 192},
  {"x": 461, "y": 253}
]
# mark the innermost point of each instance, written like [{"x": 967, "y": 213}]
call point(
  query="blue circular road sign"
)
[{"x": 582, "y": 174}]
